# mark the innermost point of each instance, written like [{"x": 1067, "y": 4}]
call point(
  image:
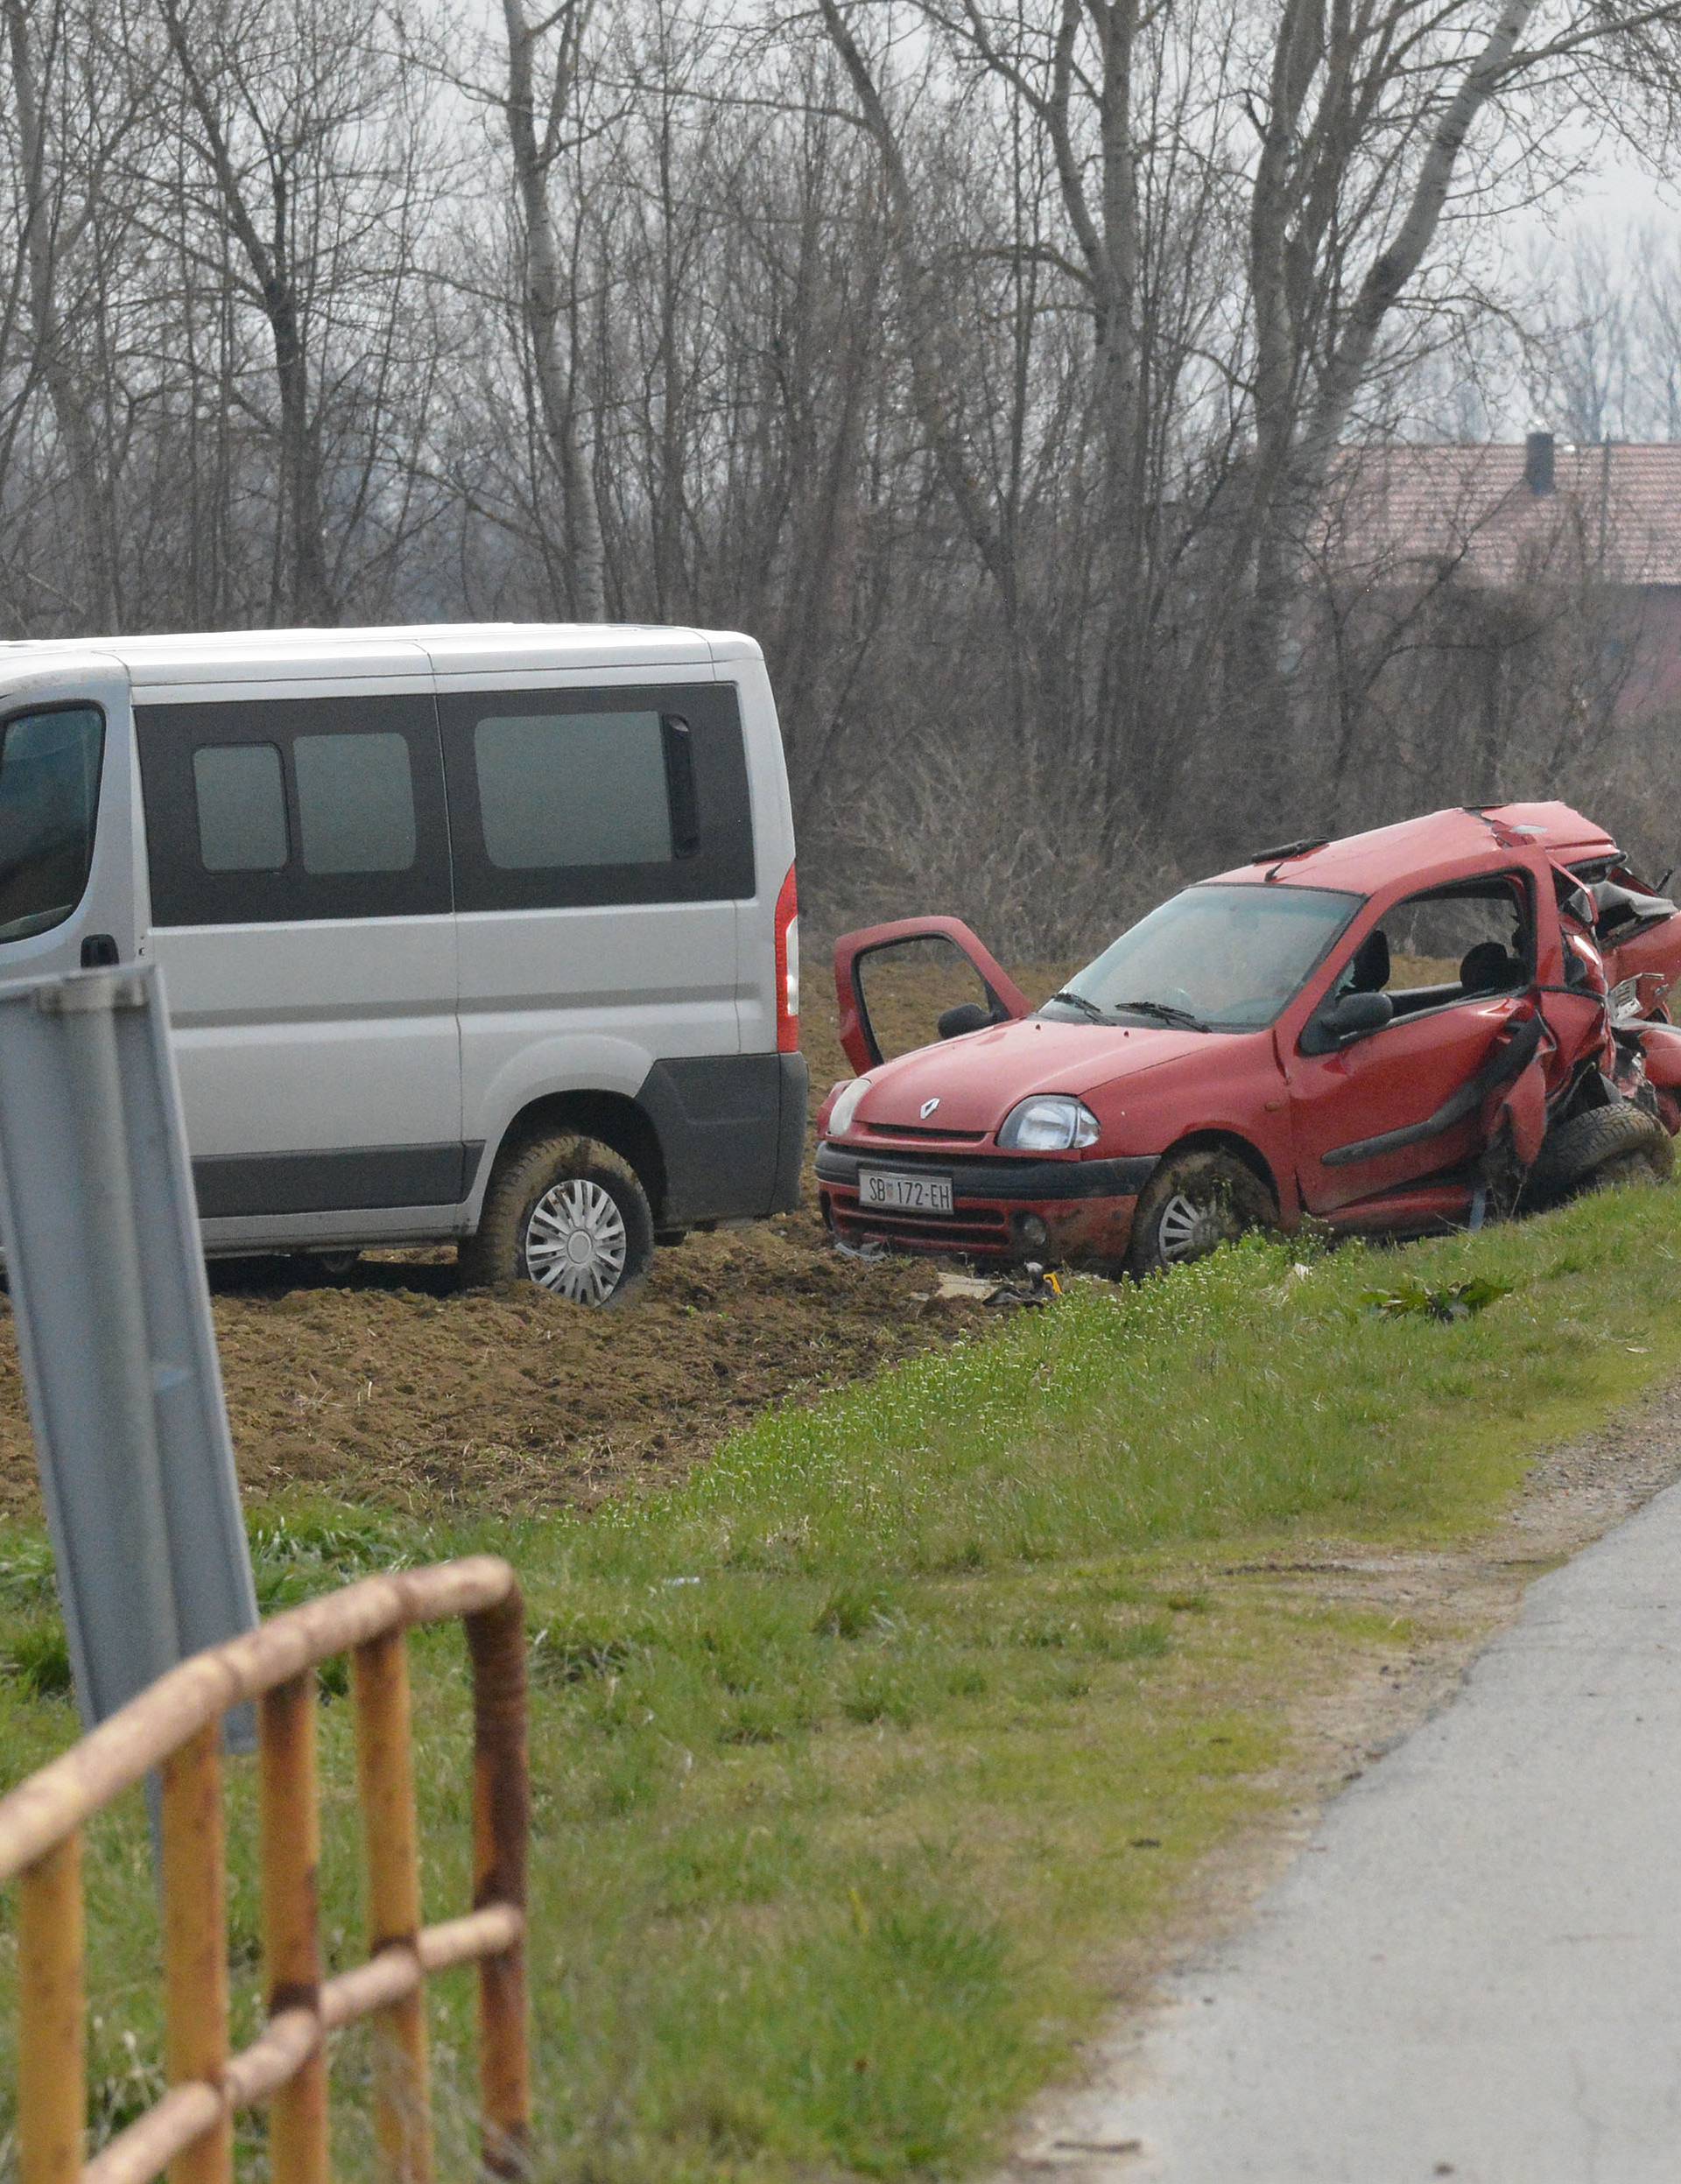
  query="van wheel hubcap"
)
[
  {"x": 575, "y": 1242},
  {"x": 1188, "y": 1231}
]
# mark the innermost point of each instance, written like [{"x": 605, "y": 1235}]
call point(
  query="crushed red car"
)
[{"x": 1398, "y": 1033}]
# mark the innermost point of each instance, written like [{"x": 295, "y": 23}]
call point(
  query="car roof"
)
[
  {"x": 1434, "y": 851},
  {"x": 448, "y": 648}
]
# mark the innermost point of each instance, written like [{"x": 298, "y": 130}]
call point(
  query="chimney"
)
[{"x": 1537, "y": 463}]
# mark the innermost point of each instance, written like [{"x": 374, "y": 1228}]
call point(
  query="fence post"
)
[
  {"x": 195, "y": 1941},
  {"x": 51, "y": 2027},
  {"x": 495, "y": 1639},
  {"x": 291, "y": 1829},
  {"x": 385, "y": 1769}
]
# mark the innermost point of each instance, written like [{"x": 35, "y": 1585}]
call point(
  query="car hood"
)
[{"x": 978, "y": 1079}]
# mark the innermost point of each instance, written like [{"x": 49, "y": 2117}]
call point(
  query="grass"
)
[{"x": 862, "y": 1761}]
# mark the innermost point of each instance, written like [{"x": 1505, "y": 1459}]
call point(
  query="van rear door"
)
[{"x": 68, "y": 847}]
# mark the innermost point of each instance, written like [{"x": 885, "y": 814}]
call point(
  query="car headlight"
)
[
  {"x": 846, "y": 1106},
  {"x": 1050, "y": 1123}
]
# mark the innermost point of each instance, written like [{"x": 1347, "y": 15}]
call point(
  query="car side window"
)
[
  {"x": 572, "y": 798},
  {"x": 283, "y": 811},
  {"x": 1448, "y": 946}
]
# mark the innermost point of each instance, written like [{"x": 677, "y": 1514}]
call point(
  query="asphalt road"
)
[{"x": 1474, "y": 1971}]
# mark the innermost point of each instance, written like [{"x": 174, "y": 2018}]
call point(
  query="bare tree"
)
[
  {"x": 542, "y": 109},
  {"x": 315, "y": 163}
]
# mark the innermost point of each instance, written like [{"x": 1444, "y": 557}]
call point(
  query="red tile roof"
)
[{"x": 1406, "y": 511}]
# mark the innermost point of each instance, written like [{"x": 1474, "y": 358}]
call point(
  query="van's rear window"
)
[
  {"x": 573, "y": 788},
  {"x": 573, "y": 798}
]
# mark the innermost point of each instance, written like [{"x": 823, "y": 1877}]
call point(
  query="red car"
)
[{"x": 1397, "y": 1033}]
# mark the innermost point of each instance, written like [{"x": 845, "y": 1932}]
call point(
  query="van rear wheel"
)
[{"x": 568, "y": 1214}]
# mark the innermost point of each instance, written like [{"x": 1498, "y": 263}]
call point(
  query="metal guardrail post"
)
[{"x": 106, "y": 1269}]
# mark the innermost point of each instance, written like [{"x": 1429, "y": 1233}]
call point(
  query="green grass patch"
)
[{"x": 858, "y": 1758}]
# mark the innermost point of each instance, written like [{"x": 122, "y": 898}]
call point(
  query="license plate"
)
[{"x": 904, "y": 1194}]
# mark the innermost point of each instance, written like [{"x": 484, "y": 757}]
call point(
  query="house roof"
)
[{"x": 1400, "y": 510}]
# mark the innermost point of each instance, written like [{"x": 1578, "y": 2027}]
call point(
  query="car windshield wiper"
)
[
  {"x": 1080, "y": 1002},
  {"x": 1165, "y": 1010}
]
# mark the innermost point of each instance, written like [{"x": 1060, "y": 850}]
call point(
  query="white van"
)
[{"x": 475, "y": 931}]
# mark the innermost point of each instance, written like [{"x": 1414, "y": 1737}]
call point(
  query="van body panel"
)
[
  {"x": 327, "y": 1039},
  {"x": 471, "y": 649},
  {"x": 730, "y": 645},
  {"x": 539, "y": 1064},
  {"x": 360, "y": 1017},
  {"x": 590, "y": 995},
  {"x": 342, "y": 1228},
  {"x": 774, "y": 852},
  {"x": 733, "y": 1132},
  {"x": 242, "y": 662},
  {"x": 319, "y": 1053}
]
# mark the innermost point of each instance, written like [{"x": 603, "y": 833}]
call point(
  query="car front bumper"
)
[{"x": 1064, "y": 1212}]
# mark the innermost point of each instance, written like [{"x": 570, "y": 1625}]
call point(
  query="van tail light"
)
[{"x": 788, "y": 966}]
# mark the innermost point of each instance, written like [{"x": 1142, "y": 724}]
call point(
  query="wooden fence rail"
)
[{"x": 175, "y": 1726}]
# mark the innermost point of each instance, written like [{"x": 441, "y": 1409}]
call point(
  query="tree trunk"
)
[
  {"x": 301, "y": 591},
  {"x": 94, "y": 584},
  {"x": 548, "y": 322}
]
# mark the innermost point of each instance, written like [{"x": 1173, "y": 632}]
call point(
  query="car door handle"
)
[{"x": 98, "y": 951}]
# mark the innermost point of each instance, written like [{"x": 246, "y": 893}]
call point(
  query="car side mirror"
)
[
  {"x": 967, "y": 1016},
  {"x": 1351, "y": 1017}
]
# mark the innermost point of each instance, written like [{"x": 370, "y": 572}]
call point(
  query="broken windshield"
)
[{"x": 1225, "y": 956}]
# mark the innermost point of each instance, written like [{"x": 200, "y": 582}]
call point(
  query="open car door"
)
[{"x": 904, "y": 986}]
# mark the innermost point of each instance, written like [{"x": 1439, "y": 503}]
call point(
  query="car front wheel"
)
[
  {"x": 1194, "y": 1202},
  {"x": 1598, "y": 1149},
  {"x": 568, "y": 1214}
]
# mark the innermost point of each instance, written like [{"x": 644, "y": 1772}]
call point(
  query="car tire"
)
[
  {"x": 1194, "y": 1202},
  {"x": 1598, "y": 1149},
  {"x": 568, "y": 1214},
  {"x": 330, "y": 1267}
]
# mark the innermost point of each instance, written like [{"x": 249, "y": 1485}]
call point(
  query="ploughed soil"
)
[{"x": 394, "y": 1386}]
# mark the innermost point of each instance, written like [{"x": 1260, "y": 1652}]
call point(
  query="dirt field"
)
[{"x": 393, "y": 1388}]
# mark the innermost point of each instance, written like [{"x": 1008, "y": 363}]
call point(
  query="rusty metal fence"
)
[{"x": 175, "y": 1726}]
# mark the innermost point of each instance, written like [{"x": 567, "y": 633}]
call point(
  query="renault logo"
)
[{"x": 928, "y": 1106}]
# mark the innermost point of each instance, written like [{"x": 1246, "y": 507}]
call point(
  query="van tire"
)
[
  {"x": 591, "y": 1193},
  {"x": 1598, "y": 1149},
  {"x": 1194, "y": 1202}
]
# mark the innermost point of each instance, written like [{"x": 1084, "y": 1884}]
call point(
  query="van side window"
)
[
  {"x": 573, "y": 798},
  {"x": 278, "y": 810},
  {"x": 355, "y": 803},
  {"x": 242, "y": 806},
  {"x": 573, "y": 788},
  {"x": 49, "y": 802}
]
